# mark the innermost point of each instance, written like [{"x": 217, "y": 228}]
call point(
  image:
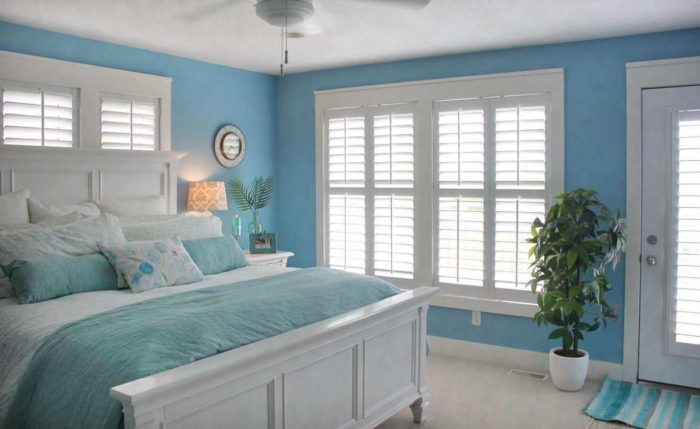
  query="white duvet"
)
[{"x": 24, "y": 327}]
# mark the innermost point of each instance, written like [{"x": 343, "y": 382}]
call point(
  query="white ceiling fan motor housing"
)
[{"x": 275, "y": 11}]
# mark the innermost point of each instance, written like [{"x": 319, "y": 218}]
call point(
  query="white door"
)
[{"x": 669, "y": 336}]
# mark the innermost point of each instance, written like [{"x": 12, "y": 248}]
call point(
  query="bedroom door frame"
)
[{"x": 640, "y": 76}]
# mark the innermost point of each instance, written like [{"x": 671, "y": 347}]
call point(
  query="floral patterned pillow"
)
[{"x": 151, "y": 264}]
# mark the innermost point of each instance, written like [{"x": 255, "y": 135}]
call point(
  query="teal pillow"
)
[
  {"x": 216, "y": 255},
  {"x": 52, "y": 277}
]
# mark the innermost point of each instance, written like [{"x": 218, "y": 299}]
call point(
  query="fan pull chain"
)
[
  {"x": 284, "y": 39},
  {"x": 281, "y": 49}
]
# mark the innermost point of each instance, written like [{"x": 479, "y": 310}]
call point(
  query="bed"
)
[{"x": 352, "y": 370}]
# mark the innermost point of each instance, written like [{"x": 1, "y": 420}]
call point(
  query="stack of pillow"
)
[{"x": 48, "y": 251}]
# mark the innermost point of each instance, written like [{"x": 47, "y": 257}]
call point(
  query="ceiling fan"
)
[{"x": 294, "y": 16}]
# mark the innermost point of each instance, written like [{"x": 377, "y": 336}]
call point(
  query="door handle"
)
[{"x": 651, "y": 260}]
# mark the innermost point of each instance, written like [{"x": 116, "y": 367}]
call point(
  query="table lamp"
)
[{"x": 206, "y": 197}]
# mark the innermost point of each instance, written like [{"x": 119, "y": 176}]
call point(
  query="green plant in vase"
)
[
  {"x": 253, "y": 198},
  {"x": 572, "y": 248}
]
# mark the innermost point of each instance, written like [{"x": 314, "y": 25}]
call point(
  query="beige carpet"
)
[{"x": 474, "y": 395}]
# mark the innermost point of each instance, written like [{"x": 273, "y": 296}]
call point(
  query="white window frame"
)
[
  {"x": 131, "y": 99},
  {"x": 19, "y": 85},
  {"x": 89, "y": 81},
  {"x": 422, "y": 95}
]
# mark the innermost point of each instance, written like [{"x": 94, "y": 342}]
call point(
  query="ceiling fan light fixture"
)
[{"x": 281, "y": 13}]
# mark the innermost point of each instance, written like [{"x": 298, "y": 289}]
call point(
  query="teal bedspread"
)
[{"x": 68, "y": 380}]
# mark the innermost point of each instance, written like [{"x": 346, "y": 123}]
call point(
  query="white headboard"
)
[{"x": 56, "y": 175}]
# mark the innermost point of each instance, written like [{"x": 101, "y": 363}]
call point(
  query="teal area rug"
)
[{"x": 644, "y": 406}]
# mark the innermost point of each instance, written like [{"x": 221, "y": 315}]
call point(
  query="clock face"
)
[{"x": 231, "y": 146}]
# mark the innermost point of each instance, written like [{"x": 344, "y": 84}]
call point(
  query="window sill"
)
[{"x": 511, "y": 308}]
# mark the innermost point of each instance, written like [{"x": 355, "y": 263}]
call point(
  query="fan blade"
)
[
  {"x": 414, "y": 4},
  {"x": 209, "y": 9}
]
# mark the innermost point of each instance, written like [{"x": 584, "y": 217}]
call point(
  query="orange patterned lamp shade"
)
[{"x": 207, "y": 196}]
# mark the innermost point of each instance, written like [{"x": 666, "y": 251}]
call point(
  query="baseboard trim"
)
[{"x": 512, "y": 358}]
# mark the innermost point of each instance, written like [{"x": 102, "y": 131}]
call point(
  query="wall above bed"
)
[{"x": 204, "y": 98}]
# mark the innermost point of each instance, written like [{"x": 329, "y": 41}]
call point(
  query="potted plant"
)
[
  {"x": 572, "y": 248},
  {"x": 254, "y": 199}
]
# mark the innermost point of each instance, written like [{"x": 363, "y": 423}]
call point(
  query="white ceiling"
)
[{"x": 352, "y": 31}]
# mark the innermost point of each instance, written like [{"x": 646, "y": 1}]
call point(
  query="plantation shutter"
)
[
  {"x": 345, "y": 139},
  {"x": 346, "y": 152},
  {"x": 38, "y": 116},
  {"x": 492, "y": 184},
  {"x": 393, "y": 236},
  {"x": 520, "y": 147},
  {"x": 461, "y": 175},
  {"x": 393, "y": 144},
  {"x": 461, "y": 240},
  {"x": 393, "y": 151},
  {"x": 513, "y": 220},
  {"x": 371, "y": 223},
  {"x": 346, "y": 232},
  {"x": 129, "y": 123},
  {"x": 686, "y": 302},
  {"x": 520, "y": 179}
]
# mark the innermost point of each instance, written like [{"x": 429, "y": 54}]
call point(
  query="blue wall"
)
[
  {"x": 204, "y": 97},
  {"x": 595, "y": 150}
]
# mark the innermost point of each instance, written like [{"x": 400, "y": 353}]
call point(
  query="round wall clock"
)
[{"x": 229, "y": 146}]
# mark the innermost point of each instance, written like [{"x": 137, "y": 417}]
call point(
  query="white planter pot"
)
[{"x": 568, "y": 374}]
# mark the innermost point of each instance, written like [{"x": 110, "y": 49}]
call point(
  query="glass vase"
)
[{"x": 255, "y": 226}]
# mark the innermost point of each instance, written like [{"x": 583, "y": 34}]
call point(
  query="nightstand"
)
[{"x": 279, "y": 258}]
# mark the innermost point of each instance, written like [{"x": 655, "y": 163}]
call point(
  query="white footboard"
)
[{"x": 351, "y": 371}]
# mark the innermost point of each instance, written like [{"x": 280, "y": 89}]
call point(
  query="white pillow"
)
[
  {"x": 39, "y": 212},
  {"x": 185, "y": 228},
  {"x": 79, "y": 238},
  {"x": 134, "y": 206},
  {"x": 65, "y": 219},
  {"x": 13, "y": 207},
  {"x": 131, "y": 220}
]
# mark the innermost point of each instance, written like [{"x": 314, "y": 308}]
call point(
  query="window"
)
[
  {"x": 51, "y": 103},
  {"x": 38, "y": 115},
  {"x": 370, "y": 198},
  {"x": 687, "y": 229},
  {"x": 439, "y": 182},
  {"x": 491, "y": 173},
  {"x": 128, "y": 123}
]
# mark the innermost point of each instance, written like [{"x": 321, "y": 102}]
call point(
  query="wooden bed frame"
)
[{"x": 351, "y": 371}]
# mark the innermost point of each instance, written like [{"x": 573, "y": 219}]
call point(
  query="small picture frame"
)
[{"x": 263, "y": 243}]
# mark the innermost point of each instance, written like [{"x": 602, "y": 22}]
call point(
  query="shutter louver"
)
[
  {"x": 346, "y": 232},
  {"x": 393, "y": 150},
  {"x": 461, "y": 149},
  {"x": 514, "y": 217},
  {"x": 37, "y": 117},
  {"x": 393, "y": 236},
  {"x": 520, "y": 147},
  {"x": 687, "y": 270},
  {"x": 346, "y": 152},
  {"x": 128, "y": 124},
  {"x": 461, "y": 240}
]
